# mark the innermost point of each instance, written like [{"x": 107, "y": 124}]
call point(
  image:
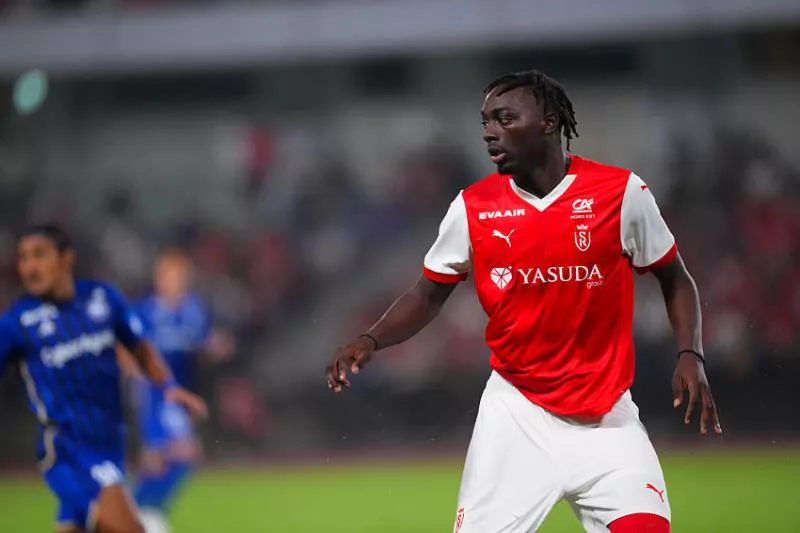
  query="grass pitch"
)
[{"x": 726, "y": 493}]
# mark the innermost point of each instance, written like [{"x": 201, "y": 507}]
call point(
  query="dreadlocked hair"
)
[{"x": 547, "y": 91}]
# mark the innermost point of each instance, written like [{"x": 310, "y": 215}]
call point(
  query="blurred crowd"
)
[
  {"x": 733, "y": 206},
  {"x": 324, "y": 225}
]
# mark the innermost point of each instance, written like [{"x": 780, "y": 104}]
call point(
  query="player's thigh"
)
[
  {"x": 618, "y": 475},
  {"x": 115, "y": 512},
  {"x": 74, "y": 492},
  {"x": 88, "y": 491},
  {"x": 510, "y": 481}
]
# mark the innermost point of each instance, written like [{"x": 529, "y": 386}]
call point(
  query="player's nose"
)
[{"x": 490, "y": 134}]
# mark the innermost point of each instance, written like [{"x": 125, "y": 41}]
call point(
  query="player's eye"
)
[
  {"x": 484, "y": 122},
  {"x": 505, "y": 121}
]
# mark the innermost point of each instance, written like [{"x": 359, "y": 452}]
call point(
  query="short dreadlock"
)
[{"x": 547, "y": 91}]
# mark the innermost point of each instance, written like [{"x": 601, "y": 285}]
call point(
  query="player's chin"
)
[
  {"x": 506, "y": 168},
  {"x": 36, "y": 288}
]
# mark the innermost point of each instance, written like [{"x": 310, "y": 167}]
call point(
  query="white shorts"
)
[{"x": 522, "y": 460}]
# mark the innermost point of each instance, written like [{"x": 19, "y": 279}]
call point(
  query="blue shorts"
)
[
  {"x": 76, "y": 477},
  {"x": 160, "y": 422}
]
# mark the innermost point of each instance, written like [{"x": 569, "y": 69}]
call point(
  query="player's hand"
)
[
  {"x": 690, "y": 375},
  {"x": 192, "y": 402},
  {"x": 351, "y": 357}
]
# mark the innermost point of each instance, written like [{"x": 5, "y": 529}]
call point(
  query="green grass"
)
[{"x": 726, "y": 493}]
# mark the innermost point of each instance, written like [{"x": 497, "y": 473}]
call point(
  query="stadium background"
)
[{"x": 304, "y": 153}]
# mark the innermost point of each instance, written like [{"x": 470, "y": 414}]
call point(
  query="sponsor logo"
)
[
  {"x": 582, "y": 205},
  {"x": 39, "y": 314},
  {"x": 583, "y": 237},
  {"x": 88, "y": 343},
  {"x": 97, "y": 308},
  {"x": 590, "y": 275},
  {"x": 501, "y": 276},
  {"x": 46, "y": 328},
  {"x": 582, "y": 208},
  {"x": 507, "y": 238},
  {"x": 486, "y": 215}
]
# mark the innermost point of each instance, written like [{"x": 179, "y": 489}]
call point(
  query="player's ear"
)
[
  {"x": 549, "y": 123},
  {"x": 69, "y": 257}
]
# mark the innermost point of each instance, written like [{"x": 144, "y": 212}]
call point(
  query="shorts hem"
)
[{"x": 623, "y": 514}]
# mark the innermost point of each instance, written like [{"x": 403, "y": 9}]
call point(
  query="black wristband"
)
[
  {"x": 370, "y": 337},
  {"x": 698, "y": 354}
]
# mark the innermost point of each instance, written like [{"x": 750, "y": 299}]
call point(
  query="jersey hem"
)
[{"x": 585, "y": 416}]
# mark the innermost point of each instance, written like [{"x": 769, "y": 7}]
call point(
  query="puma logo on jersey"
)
[
  {"x": 484, "y": 215},
  {"x": 507, "y": 238},
  {"x": 660, "y": 493}
]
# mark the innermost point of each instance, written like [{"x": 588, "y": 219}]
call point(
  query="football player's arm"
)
[
  {"x": 127, "y": 363},
  {"x": 129, "y": 330},
  {"x": 410, "y": 313},
  {"x": 446, "y": 264},
  {"x": 682, "y": 300},
  {"x": 149, "y": 360},
  {"x": 651, "y": 247}
]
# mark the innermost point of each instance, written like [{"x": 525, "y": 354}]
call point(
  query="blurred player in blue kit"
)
[
  {"x": 178, "y": 323},
  {"x": 61, "y": 335}
]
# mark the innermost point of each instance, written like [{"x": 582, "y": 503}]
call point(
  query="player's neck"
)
[
  {"x": 544, "y": 178},
  {"x": 64, "y": 291},
  {"x": 171, "y": 300}
]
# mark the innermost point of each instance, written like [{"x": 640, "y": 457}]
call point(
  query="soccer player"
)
[
  {"x": 61, "y": 335},
  {"x": 552, "y": 240},
  {"x": 177, "y": 322}
]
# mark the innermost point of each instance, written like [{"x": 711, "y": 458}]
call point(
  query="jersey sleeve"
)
[
  {"x": 449, "y": 258},
  {"x": 128, "y": 326},
  {"x": 142, "y": 311},
  {"x": 9, "y": 343},
  {"x": 646, "y": 239}
]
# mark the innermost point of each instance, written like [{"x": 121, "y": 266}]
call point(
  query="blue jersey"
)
[
  {"x": 179, "y": 331},
  {"x": 66, "y": 357}
]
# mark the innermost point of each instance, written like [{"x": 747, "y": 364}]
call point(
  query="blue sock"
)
[{"x": 157, "y": 491}]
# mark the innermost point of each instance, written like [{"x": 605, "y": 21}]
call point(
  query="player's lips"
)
[{"x": 497, "y": 155}]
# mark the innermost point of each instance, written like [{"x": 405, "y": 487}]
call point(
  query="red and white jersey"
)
[{"x": 555, "y": 277}]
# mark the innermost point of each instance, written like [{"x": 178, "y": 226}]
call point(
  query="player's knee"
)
[
  {"x": 68, "y": 529},
  {"x": 115, "y": 512},
  {"x": 132, "y": 527},
  {"x": 136, "y": 528},
  {"x": 640, "y": 523}
]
